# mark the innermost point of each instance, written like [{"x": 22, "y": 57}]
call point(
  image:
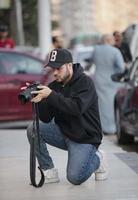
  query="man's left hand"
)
[{"x": 44, "y": 92}]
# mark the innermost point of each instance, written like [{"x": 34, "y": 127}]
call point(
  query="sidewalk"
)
[{"x": 14, "y": 174}]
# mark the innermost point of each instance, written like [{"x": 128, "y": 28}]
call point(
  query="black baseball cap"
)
[{"x": 59, "y": 57}]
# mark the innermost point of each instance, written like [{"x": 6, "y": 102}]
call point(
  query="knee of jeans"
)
[{"x": 74, "y": 178}]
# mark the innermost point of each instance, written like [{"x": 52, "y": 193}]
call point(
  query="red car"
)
[
  {"x": 126, "y": 106},
  {"x": 16, "y": 69}
]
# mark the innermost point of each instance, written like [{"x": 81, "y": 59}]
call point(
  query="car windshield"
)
[{"x": 19, "y": 64}]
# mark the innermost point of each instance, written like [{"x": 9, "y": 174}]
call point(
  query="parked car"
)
[
  {"x": 130, "y": 36},
  {"x": 28, "y": 49},
  {"x": 126, "y": 105},
  {"x": 16, "y": 69}
]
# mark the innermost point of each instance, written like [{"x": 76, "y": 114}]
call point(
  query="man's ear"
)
[{"x": 70, "y": 65}]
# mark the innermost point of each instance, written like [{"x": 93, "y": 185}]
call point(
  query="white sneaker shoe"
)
[
  {"x": 51, "y": 175},
  {"x": 102, "y": 172}
]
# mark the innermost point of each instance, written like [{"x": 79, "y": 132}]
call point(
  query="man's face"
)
[
  {"x": 3, "y": 34},
  {"x": 62, "y": 74},
  {"x": 58, "y": 44},
  {"x": 118, "y": 37}
]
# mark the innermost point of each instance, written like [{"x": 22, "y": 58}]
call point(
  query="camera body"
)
[{"x": 25, "y": 96}]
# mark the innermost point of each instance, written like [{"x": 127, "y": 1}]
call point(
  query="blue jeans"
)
[{"x": 82, "y": 158}]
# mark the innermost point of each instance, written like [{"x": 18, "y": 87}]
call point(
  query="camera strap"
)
[{"x": 35, "y": 138}]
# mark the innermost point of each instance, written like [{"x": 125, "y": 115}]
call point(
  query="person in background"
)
[
  {"x": 69, "y": 114},
  {"x": 5, "y": 40},
  {"x": 122, "y": 46},
  {"x": 108, "y": 61},
  {"x": 57, "y": 43}
]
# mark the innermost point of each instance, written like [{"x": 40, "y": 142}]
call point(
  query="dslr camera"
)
[{"x": 25, "y": 96}]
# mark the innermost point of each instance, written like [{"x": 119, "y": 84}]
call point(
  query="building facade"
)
[{"x": 88, "y": 16}]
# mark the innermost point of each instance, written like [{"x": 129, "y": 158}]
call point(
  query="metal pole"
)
[
  {"x": 44, "y": 27},
  {"x": 18, "y": 6}
]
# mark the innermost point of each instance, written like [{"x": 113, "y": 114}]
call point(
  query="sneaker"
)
[
  {"x": 51, "y": 175},
  {"x": 102, "y": 172}
]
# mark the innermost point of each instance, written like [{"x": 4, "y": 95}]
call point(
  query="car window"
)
[
  {"x": 19, "y": 64},
  {"x": 2, "y": 69}
]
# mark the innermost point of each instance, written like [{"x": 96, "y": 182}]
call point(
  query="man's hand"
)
[
  {"x": 24, "y": 87},
  {"x": 44, "y": 92}
]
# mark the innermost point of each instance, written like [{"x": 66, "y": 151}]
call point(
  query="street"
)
[{"x": 14, "y": 172}]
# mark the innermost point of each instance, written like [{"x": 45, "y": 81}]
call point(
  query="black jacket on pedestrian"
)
[{"x": 74, "y": 108}]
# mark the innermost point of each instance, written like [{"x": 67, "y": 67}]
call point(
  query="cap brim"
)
[{"x": 53, "y": 65}]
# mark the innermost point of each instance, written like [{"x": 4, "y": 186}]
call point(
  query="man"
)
[
  {"x": 122, "y": 46},
  {"x": 5, "y": 41},
  {"x": 108, "y": 61},
  {"x": 68, "y": 109},
  {"x": 57, "y": 42}
]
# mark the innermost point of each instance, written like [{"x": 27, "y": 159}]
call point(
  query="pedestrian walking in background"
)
[
  {"x": 5, "y": 40},
  {"x": 57, "y": 42},
  {"x": 122, "y": 46},
  {"x": 108, "y": 60}
]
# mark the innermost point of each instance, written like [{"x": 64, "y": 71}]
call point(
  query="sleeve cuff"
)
[{"x": 52, "y": 98}]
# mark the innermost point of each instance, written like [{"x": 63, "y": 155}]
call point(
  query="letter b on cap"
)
[{"x": 53, "y": 56}]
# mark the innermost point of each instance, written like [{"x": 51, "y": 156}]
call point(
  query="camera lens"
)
[{"x": 23, "y": 98}]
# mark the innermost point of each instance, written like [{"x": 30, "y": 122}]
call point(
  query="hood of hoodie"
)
[{"x": 77, "y": 72}]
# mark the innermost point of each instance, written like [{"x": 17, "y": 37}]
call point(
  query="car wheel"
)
[{"x": 122, "y": 136}]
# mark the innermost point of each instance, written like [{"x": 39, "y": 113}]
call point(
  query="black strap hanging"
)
[{"x": 35, "y": 136}]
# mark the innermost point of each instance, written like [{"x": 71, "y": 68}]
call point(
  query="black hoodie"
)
[{"x": 75, "y": 108}]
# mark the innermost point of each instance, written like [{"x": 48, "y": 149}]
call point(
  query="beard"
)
[{"x": 64, "y": 78}]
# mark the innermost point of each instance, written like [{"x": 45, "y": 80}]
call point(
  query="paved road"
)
[{"x": 14, "y": 173}]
